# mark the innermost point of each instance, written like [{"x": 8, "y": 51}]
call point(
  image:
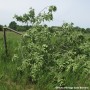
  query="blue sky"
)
[{"x": 76, "y": 11}]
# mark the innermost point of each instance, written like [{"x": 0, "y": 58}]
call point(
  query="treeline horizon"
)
[{"x": 17, "y": 27}]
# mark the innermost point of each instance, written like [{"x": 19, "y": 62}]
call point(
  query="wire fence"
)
[{"x": 5, "y": 39}]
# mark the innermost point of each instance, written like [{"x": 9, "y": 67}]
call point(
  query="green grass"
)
[{"x": 8, "y": 69}]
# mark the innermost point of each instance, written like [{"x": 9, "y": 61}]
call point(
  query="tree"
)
[
  {"x": 87, "y": 30},
  {"x": 27, "y": 17},
  {"x": 31, "y": 18},
  {"x": 1, "y": 27},
  {"x": 53, "y": 57},
  {"x": 13, "y": 25}
]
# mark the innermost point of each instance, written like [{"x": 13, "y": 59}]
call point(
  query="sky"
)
[{"x": 76, "y": 11}]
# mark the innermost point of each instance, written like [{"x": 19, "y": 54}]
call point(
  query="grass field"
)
[{"x": 7, "y": 67}]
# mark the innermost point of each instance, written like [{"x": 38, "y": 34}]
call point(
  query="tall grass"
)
[{"x": 9, "y": 77}]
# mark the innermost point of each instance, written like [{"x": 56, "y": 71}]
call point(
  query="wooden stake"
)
[{"x": 5, "y": 43}]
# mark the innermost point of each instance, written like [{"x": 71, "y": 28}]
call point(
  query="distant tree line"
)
[
  {"x": 1, "y": 27},
  {"x": 87, "y": 30},
  {"x": 15, "y": 26}
]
